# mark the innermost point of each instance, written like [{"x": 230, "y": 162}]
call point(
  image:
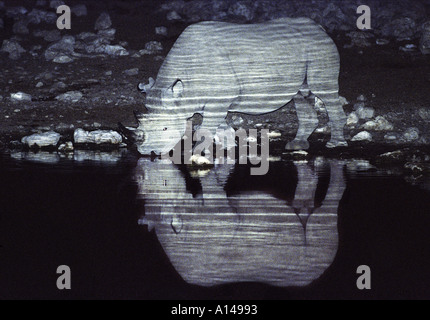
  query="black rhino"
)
[{"x": 217, "y": 67}]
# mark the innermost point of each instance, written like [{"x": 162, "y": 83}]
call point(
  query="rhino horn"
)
[{"x": 127, "y": 133}]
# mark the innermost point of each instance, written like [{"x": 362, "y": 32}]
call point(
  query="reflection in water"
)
[
  {"x": 41, "y": 157},
  {"x": 227, "y": 226},
  {"x": 107, "y": 157}
]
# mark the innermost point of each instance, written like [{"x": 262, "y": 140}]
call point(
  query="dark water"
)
[{"x": 145, "y": 229}]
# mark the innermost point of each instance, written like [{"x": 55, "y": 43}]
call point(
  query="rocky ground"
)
[{"x": 86, "y": 78}]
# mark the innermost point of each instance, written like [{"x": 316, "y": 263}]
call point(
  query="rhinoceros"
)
[{"x": 217, "y": 67}]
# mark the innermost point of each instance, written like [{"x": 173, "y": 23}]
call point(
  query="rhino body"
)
[{"x": 217, "y": 67}]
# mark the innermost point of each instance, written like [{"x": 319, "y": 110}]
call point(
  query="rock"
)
[
  {"x": 391, "y": 157},
  {"x": 391, "y": 137},
  {"x": 42, "y": 140},
  {"x": 408, "y": 48},
  {"x": 343, "y": 101},
  {"x": 300, "y": 155},
  {"x": 414, "y": 168},
  {"x": 361, "y": 98},
  {"x": 425, "y": 38},
  {"x": 97, "y": 137},
  {"x": 54, "y": 4},
  {"x": 39, "y": 84},
  {"x": 13, "y": 48},
  {"x": 66, "y": 147},
  {"x": 16, "y": 12},
  {"x": 161, "y": 31},
  {"x": 173, "y": 16},
  {"x": 108, "y": 34},
  {"x": 20, "y": 27},
  {"x": 64, "y": 126},
  {"x": 403, "y": 28},
  {"x": 48, "y": 35},
  {"x": 359, "y": 165},
  {"x": 70, "y": 96},
  {"x": 242, "y": 10},
  {"x": 113, "y": 50},
  {"x": 358, "y": 105},
  {"x": 352, "y": 119},
  {"x": 362, "y": 136},
  {"x": 45, "y": 75},
  {"x": 100, "y": 43},
  {"x": 411, "y": 134},
  {"x": 20, "y": 96},
  {"x": 62, "y": 59},
  {"x": 172, "y": 5},
  {"x": 79, "y": 10},
  {"x": 132, "y": 72},
  {"x": 37, "y": 16},
  {"x": 63, "y": 47},
  {"x": 60, "y": 85},
  {"x": 360, "y": 38},
  {"x": 332, "y": 18},
  {"x": 36, "y": 47},
  {"x": 274, "y": 135},
  {"x": 152, "y": 47},
  {"x": 379, "y": 124},
  {"x": 424, "y": 113},
  {"x": 237, "y": 121},
  {"x": 323, "y": 130},
  {"x": 382, "y": 42},
  {"x": 103, "y": 22},
  {"x": 199, "y": 160},
  {"x": 365, "y": 112}
]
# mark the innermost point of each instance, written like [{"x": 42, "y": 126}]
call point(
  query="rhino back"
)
[{"x": 253, "y": 68}]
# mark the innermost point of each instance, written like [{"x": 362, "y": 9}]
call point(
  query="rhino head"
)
[{"x": 164, "y": 123}]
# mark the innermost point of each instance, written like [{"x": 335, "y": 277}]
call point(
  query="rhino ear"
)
[{"x": 177, "y": 88}]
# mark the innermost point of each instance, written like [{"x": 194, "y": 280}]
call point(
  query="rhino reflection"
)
[{"x": 218, "y": 229}]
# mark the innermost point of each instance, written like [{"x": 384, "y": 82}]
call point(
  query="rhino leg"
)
[
  {"x": 308, "y": 122},
  {"x": 304, "y": 198},
  {"x": 322, "y": 78},
  {"x": 337, "y": 119}
]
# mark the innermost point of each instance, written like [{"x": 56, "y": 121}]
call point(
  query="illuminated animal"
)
[{"x": 217, "y": 67}]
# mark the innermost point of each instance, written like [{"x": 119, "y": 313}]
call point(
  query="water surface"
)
[{"x": 145, "y": 229}]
